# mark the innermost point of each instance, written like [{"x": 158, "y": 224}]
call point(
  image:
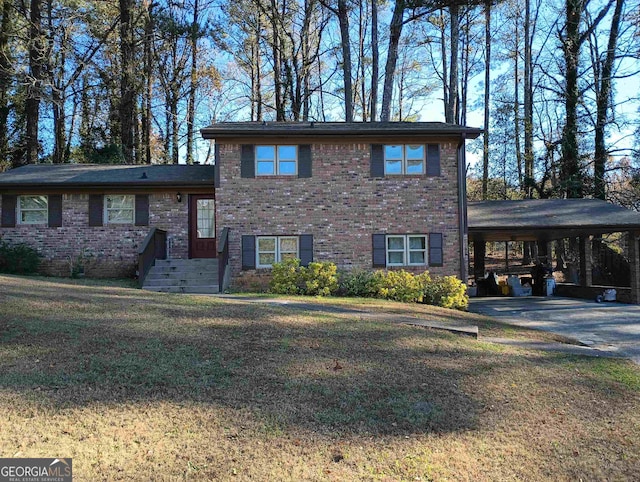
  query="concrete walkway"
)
[{"x": 608, "y": 327}]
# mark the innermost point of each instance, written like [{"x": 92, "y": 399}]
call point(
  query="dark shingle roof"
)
[
  {"x": 92, "y": 175},
  {"x": 535, "y": 214},
  {"x": 309, "y": 129}
]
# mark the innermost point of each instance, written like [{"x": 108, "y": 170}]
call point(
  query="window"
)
[
  {"x": 118, "y": 208},
  {"x": 33, "y": 209},
  {"x": 276, "y": 160},
  {"x": 406, "y": 250},
  {"x": 273, "y": 249},
  {"x": 404, "y": 159}
]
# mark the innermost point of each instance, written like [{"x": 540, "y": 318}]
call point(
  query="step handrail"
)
[
  {"x": 223, "y": 259},
  {"x": 153, "y": 247}
]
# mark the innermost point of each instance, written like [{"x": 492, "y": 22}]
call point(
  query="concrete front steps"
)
[{"x": 198, "y": 276}]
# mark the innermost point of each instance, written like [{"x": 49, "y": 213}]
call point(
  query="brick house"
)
[
  {"x": 99, "y": 215},
  {"x": 362, "y": 195}
]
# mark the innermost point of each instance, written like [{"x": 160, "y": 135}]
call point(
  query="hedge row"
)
[{"x": 323, "y": 279}]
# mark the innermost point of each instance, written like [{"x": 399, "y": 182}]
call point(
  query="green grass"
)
[{"x": 129, "y": 382}]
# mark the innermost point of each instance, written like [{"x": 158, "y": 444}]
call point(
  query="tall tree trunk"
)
[
  {"x": 193, "y": 83},
  {"x": 603, "y": 103},
  {"x": 528, "y": 103},
  {"x": 34, "y": 88},
  {"x": 452, "y": 114},
  {"x": 5, "y": 75},
  {"x": 276, "y": 56},
  {"x": 375, "y": 61},
  {"x": 445, "y": 63},
  {"x": 395, "y": 30},
  {"x": 148, "y": 87},
  {"x": 516, "y": 107},
  {"x": 343, "y": 19},
  {"x": 487, "y": 98},
  {"x": 570, "y": 172},
  {"x": 127, "y": 80}
]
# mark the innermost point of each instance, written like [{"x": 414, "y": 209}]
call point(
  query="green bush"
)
[
  {"x": 356, "y": 283},
  {"x": 320, "y": 279},
  {"x": 446, "y": 291},
  {"x": 398, "y": 285},
  {"x": 286, "y": 277},
  {"x": 18, "y": 258}
]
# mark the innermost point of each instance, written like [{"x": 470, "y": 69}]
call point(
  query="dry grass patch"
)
[{"x": 137, "y": 385}]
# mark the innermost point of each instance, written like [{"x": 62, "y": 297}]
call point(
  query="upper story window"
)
[
  {"x": 119, "y": 208},
  {"x": 33, "y": 209},
  {"x": 404, "y": 159},
  {"x": 276, "y": 160},
  {"x": 406, "y": 250}
]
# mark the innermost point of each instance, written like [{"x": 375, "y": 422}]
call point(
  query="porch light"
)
[{"x": 179, "y": 197}]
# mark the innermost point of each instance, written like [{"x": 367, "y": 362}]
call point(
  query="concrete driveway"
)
[{"x": 610, "y": 327}]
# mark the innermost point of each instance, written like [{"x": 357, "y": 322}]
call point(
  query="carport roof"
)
[{"x": 547, "y": 219}]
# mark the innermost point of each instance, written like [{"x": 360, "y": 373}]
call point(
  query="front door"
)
[{"x": 202, "y": 226}]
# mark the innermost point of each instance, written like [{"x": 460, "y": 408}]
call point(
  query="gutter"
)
[{"x": 462, "y": 207}]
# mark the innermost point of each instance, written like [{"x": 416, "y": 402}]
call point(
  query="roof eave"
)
[{"x": 211, "y": 133}]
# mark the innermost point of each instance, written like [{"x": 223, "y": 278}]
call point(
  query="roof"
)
[
  {"x": 531, "y": 219},
  {"x": 227, "y": 130},
  {"x": 100, "y": 175}
]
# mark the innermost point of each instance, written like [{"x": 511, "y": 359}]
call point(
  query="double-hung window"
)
[
  {"x": 406, "y": 250},
  {"x": 119, "y": 208},
  {"x": 273, "y": 249},
  {"x": 404, "y": 159},
  {"x": 276, "y": 160},
  {"x": 33, "y": 209}
]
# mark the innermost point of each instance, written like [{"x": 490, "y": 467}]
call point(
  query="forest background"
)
[{"x": 554, "y": 83}]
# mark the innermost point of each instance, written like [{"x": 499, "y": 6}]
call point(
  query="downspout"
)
[{"x": 462, "y": 208}]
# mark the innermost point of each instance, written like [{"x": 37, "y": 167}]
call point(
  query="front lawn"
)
[{"x": 137, "y": 385}]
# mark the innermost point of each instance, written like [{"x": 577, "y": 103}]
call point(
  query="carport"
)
[{"x": 546, "y": 220}]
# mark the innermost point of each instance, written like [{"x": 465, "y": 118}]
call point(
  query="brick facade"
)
[
  {"x": 106, "y": 251},
  {"x": 341, "y": 205}
]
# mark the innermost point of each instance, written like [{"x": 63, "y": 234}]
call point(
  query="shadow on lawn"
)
[{"x": 314, "y": 371}]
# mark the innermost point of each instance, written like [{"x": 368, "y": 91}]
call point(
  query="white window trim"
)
[
  {"x": 105, "y": 210},
  {"x": 277, "y": 248},
  {"x": 406, "y": 251},
  {"x": 19, "y": 211},
  {"x": 404, "y": 160},
  {"x": 276, "y": 160}
]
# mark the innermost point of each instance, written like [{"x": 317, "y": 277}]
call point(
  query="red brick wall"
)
[
  {"x": 341, "y": 205},
  {"x": 108, "y": 251}
]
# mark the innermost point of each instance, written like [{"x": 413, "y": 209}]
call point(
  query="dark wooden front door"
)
[{"x": 202, "y": 226}]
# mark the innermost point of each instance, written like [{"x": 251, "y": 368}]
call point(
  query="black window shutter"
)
[
  {"x": 435, "y": 249},
  {"x": 95, "y": 209},
  {"x": 379, "y": 251},
  {"x": 306, "y": 249},
  {"x": 247, "y": 161},
  {"x": 304, "y": 160},
  {"x": 433, "y": 159},
  {"x": 377, "y": 160},
  {"x": 248, "y": 252},
  {"x": 216, "y": 167},
  {"x": 8, "y": 211},
  {"x": 55, "y": 210},
  {"x": 142, "y": 210}
]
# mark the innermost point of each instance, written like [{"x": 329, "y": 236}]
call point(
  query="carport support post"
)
[
  {"x": 634, "y": 261},
  {"x": 479, "y": 254},
  {"x": 585, "y": 261}
]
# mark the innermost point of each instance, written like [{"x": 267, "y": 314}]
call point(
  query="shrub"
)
[
  {"x": 18, "y": 258},
  {"x": 320, "y": 279},
  {"x": 446, "y": 291},
  {"x": 286, "y": 277},
  {"x": 398, "y": 285},
  {"x": 356, "y": 283}
]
